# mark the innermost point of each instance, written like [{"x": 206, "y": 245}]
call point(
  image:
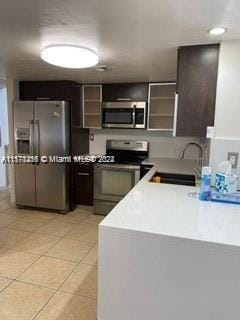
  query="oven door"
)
[{"x": 113, "y": 181}]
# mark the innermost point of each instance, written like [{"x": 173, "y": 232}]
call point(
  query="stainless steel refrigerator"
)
[{"x": 41, "y": 129}]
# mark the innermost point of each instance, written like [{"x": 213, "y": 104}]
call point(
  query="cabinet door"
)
[
  {"x": 124, "y": 92},
  {"x": 92, "y": 99},
  {"x": 196, "y": 86},
  {"x": 83, "y": 184},
  {"x": 161, "y": 109},
  {"x": 55, "y": 90}
]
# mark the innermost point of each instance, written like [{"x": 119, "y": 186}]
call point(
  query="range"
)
[{"x": 112, "y": 181}]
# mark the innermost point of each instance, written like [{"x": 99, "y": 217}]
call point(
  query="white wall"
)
[
  {"x": 12, "y": 94},
  {"x": 227, "y": 115},
  {"x": 161, "y": 145},
  {"x": 4, "y": 134}
]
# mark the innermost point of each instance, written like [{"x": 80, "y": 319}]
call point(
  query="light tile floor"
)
[{"x": 48, "y": 264}]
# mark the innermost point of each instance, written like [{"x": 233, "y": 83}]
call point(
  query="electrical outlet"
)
[
  {"x": 91, "y": 137},
  {"x": 233, "y": 157}
]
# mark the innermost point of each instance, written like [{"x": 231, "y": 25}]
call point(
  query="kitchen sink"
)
[{"x": 174, "y": 178}]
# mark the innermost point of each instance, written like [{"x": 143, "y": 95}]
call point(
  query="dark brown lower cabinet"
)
[{"x": 83, "y": 183}]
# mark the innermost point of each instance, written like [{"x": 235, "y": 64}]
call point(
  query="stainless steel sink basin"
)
[{"x": 174, "y": 178}]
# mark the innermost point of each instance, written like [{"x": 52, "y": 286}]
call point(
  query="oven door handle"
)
[{"x": 120, "y": 167}]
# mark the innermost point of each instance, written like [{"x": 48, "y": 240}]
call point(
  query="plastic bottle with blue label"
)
[{"x": 205, "y": 189}]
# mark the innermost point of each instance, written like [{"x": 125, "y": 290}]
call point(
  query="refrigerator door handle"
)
[
  {"x": 31, "y": 137},
  {"x": 37, "y": 139}
]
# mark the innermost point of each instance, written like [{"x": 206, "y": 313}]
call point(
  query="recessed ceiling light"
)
[
  {"x": 69, "y": 56},
  {"x": 217, "y": 31}
]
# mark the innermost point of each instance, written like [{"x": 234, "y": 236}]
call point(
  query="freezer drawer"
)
[
  {"x": 25, "y": 185},
  {"x": 52, "y": 184}
]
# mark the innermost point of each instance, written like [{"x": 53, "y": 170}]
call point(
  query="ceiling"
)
[{"x": 136, "y": 39}]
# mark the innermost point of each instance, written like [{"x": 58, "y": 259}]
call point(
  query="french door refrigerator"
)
[{"x": 41, "y": 129}]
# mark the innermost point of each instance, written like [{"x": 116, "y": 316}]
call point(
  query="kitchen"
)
[{"x": 74, "y": 234}]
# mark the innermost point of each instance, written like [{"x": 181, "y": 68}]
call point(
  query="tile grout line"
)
[
  {"x": 45, "y": 254},
  {"x": 75, "y": 268},
  {"x": 35, "y": 284},
  {"x": 76, "y": 294},
  {"x": 43, "y": 306},
  {"x": 7, "y": 285},
  {"x": 54, "y": 218},
  {"x": 40, "y": 255},
  {"x": 34, "y": 317},
  {"x": 16, "y": 279},
  {"x": 78, "y": 264}
]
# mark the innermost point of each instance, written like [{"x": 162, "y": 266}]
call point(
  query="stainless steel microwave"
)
[{"x": 124, "y": 114}]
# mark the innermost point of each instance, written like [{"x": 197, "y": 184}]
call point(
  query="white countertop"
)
[{"x": 168, "y": 210}]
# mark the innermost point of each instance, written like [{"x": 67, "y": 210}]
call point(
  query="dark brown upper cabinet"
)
[
  {"x": 124, "y": 92},
  {"x": 67, "y": 90},
  {"x": 196, "y": 88}
]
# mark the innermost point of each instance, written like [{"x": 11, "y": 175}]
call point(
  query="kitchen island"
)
[{"x": 163, "y": 254}]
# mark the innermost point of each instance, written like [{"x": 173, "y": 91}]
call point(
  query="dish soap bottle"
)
[{"x": 205, "y": 189}]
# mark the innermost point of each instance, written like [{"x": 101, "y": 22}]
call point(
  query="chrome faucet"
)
[{"x": 200, "y": 152}]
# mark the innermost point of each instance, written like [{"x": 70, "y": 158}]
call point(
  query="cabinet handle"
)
[
  {"x": 47, "y": 98},
  {"x": 175, "y": 115},
  {"x": 123, "y": 99},
  {"x": 147, "y": 167},
  {"x": 83, "y": 174}
]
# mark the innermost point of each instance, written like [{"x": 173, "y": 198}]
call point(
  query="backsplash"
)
[
  {"x": 161, "y": 144},
  {"x": 219, "y": 149}
]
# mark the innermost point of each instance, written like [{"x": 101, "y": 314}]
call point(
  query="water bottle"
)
[{"x": 205, "y": 189}]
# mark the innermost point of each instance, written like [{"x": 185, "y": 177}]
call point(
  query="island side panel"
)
[{"x": 144, "y": 276}]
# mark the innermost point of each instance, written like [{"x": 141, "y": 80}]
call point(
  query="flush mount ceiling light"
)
[
  {"x": 100, "y": 68},
  {"x": 217, "y": 31},
  {"x": 69, "y": 56}
]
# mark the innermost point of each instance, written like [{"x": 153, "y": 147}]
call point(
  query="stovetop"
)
[{"x": 127, "y": 151}]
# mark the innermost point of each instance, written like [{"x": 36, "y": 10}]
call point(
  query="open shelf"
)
[
  {"x": 161, "y": 106},
  {"x": 160, "y": 122},
  {"x": 92, "y": 106}
]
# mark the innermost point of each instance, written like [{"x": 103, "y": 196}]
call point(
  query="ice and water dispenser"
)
[{"x": 22, "y": 136}]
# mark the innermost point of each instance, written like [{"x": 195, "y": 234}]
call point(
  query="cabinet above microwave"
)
[{"x": 112, "y": 92}]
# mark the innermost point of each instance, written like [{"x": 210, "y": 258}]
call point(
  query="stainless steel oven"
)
[
  {"x": 124, "y": 114},
  {"x": 111, "y": 183}
]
